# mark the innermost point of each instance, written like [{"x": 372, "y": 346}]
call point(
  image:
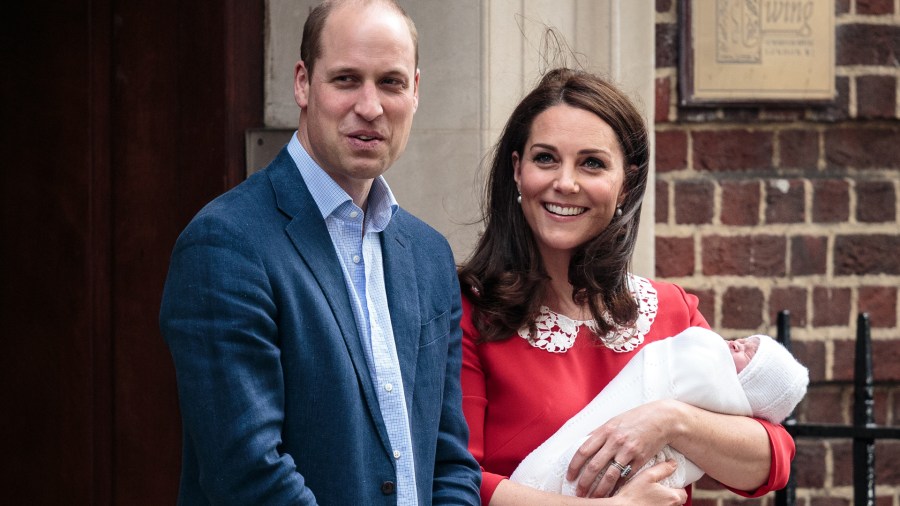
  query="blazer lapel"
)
[
  {"x": 310, "y": 236},
  {"x": 403, "y": 300}
]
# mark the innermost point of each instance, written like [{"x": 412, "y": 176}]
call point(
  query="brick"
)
[
  {"x": 671, "y": 150},
  {"x": 707, "y": 305},
  {"x": 731, "y": 500},
  {"x": 742, "y": 308},
  {"x": 867, "y": 44},
  {"x": 758, "y": 255},
  {"x": 862, "y": 148},
  {"x": 839, "y": 108},
  {"x": 866, "y": 254},
  {"x": 740, "y": 203},
  {"x": 876, "y": 97},
  {"x": 876, "y": 202},
  {"x": 880, "y": 401},
  {"x": 831, "y": 306},
  {"x": 740, "y": 114},
  {"x": 666, "y": 45},
  {"x": 895, "y": 414},
  {"x": 886, "y": 360},
  {"x": 694, "y": 202},
  {"x": 663, "y": 6},
  {"x": 689, "y": 114},
  {"x": 793, "y": 299},
  {"x": 812, "y": 355},
  {"x": 887, "y": 462},
  {"x": 844, "y": 354},
  {"x": 663, "y": 100},
  {"x": 874, "y": 7},
  {"x": 881, "y": 304},
  {"x": 785, "y": 201},
  {"x": 831, "y": 201},
  {"x": 842, "y": 455},
  {"x": 662, "y": 201},
  {"x": 782, "y": 114},
  {"x": 842, "y": 7},
  {"x": 823, "y": 405},
  {"x": 799, "y": 413},
  {"x": 798, "y": 149},
  {"x": 829, "y": 501},
  {"x": 811, "y": 458},
  {"x": 732, "y": 150},
  {"x": 809, "y": 255},
  {"x": 674, "y": 256}
]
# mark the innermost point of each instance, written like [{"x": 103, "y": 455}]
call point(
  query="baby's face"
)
[{"x": 742, "y": 351}]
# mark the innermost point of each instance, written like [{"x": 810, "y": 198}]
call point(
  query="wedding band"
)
[{"x": 624, "y": 471}]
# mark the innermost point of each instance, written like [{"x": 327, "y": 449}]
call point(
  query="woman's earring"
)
[
  {"x": 519, "y": 199},
  {"x": 618, "y": 211}
]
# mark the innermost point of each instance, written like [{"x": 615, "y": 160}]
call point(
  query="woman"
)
[{"x": 551, "y": 313}]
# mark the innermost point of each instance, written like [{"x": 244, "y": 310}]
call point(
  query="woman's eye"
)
[
  {"x": 543, "y": 158},
  {"x": 593, "y": 163}
]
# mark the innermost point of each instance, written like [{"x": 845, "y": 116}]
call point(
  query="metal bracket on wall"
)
[{"x": 262, "y": 145}]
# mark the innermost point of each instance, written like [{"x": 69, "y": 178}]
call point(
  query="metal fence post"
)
[
  {"x": 786, "y": 496},
  {"x": 863, "y": 415}
]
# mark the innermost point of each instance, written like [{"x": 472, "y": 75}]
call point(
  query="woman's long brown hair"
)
[{"x": 504, "y": 278}]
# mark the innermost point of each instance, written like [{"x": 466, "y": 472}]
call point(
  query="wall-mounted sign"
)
[{"x": 745, "y": 51}]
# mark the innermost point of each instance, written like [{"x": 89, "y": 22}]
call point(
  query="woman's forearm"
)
[{"x": 733, "y": 450}]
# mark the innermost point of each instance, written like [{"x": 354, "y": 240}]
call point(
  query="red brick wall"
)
[{"x": 794, "y": 207}]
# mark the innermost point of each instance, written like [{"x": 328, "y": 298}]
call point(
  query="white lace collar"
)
[{"x": 556, "y": 333}]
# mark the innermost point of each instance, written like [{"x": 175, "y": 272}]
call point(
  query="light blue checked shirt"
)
[{"x": 356, "y": 240}]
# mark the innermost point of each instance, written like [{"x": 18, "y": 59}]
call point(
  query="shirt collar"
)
[{"x": 330, "y": 197}]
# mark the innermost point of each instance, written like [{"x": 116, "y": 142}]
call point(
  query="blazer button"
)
[{"x": 387, "y": 488}]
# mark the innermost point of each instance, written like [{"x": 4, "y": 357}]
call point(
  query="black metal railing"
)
[{"x": 863, "y": 432}]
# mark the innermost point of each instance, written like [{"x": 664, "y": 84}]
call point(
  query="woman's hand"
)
[
  {"x": 645, "y": 488},
  {"x": 630, "y": 439},
  {"x": 642, "y": 490}
]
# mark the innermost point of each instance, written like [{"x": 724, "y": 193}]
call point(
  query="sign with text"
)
[{"x": 757, "y": 51}]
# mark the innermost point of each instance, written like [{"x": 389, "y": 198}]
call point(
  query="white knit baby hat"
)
[{"x": 774, "y": 381}]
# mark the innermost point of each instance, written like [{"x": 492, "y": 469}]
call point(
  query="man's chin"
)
[{"x": 367, "y": 168}]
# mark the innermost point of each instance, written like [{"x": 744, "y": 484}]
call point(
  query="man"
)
[{"x": 313, "y": 323}]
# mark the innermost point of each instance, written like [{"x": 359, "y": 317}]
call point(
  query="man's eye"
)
[{"x": 394, "y": 83}]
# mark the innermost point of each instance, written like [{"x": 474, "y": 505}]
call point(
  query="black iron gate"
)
[{"x": 863, "y": 431}]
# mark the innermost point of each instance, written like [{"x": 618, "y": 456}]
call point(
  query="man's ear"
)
[
  {"x": 301, "y": 85},
  {"x": 416, "y": 91}
]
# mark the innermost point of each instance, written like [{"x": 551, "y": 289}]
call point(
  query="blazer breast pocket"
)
[{"x": 435, "y": 330}]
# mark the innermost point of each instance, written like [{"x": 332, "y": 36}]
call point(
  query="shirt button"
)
[
  {"x": 396, "y": 454},
  {"x": 389, "y": 387},
  {"x": 387, "y": 488},
  {"x": 354, "y": 214},
  {"x": 356, "y": 259}
]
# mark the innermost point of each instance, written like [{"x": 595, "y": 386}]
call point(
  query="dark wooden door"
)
[{"x": 120, "y": 120}]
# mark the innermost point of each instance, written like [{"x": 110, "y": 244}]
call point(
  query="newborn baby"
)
[{"x": 753, "y": 376}]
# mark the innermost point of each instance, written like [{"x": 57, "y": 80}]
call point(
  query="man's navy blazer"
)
[{"x": 277, "y": 400}]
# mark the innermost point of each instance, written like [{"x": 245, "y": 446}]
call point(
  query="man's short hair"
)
[{"x": 310, "y": 45}]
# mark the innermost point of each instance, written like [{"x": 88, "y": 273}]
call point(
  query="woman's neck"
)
[{"x": 558, "y": 295}]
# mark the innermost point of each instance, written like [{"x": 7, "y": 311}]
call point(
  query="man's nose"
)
[{"x": 368, "y": 103}]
